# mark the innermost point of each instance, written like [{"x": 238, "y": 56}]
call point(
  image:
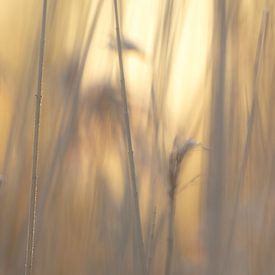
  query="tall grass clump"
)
[{"x": 109, "y": 179}]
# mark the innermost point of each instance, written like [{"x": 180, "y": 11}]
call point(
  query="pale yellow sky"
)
[
  {"x": 139, "y": 25},
  {"x": 188, "y": 70}
]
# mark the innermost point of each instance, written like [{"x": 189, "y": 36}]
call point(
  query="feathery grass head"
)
[{"x": 176, "y": 157}]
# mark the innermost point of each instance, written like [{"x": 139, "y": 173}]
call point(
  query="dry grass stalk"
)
[
  {"x": 214, "y": 187},
  {"x": 175, "y": 160},
  {"x": 132, "y": 171},
  {"x": 150, "y": 244},
  {"x": 34, "y": 188}
]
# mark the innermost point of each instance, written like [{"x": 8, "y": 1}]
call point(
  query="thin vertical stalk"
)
[
  {"x": 150, "y": 243},
  {"x": 216, "y": 166},
  {"x": 138, "y": 228},
  {"x": 170, "y": 234},
  {"x": 175, "y": 160},
  {"x": 34, "y": 188},
  {"x": 87, "y": 44}
]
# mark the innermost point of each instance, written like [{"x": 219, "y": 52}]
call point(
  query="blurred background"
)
[{"x": 196, "y": 196}]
